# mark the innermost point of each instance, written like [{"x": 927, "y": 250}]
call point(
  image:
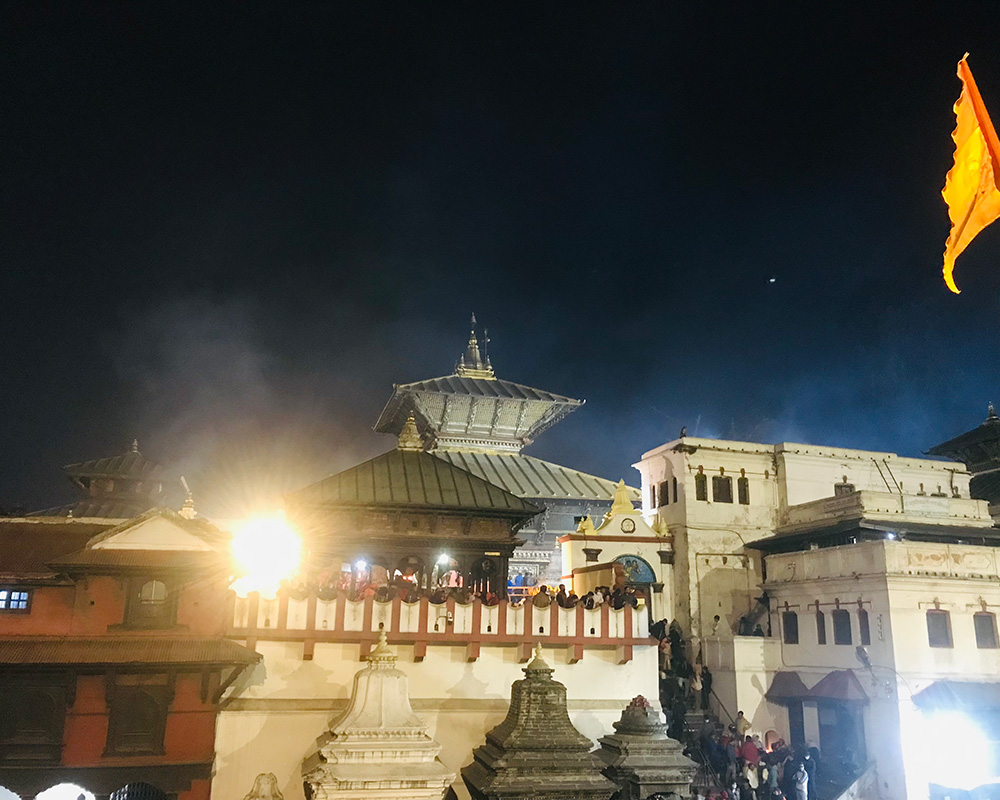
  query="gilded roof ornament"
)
[
  {"x": 472, "y": 364},
  {"x": 409, "y": 437},
  {"x": 586, "y": 527},
  {"x": 135, "y": 446},
  {"x": 622, "y": 503}
]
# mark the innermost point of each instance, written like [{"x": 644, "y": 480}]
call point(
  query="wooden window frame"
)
[
  {"x": 726, "y": 495},
  {"x": 864, "y": 627},
  {"x": 663, "y": 490},
  {"x": 122, "y": 700},
  {"x": 942, "y": 614},
  {"x": 26, "y": 590},
  {"x": 701, "y": 487},
  {"x": 743, "y": 490},
  {"x": 789, "y": 637},
  {"x": 134, "y": 616},
  {"x": 42, "y": 747},
  {"x": 841, "y": 617},
  {"x": 991, "y": 618}
]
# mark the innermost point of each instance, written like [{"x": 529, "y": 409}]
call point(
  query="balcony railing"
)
[{"x": 312, "y": 620}]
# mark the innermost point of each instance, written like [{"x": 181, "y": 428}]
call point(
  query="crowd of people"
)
[
  {"x": 743, "y": 767},
  {"x": 751, "y": 771}
]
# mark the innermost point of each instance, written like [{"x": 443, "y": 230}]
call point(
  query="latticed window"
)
[{"x": 15, "y": 600}]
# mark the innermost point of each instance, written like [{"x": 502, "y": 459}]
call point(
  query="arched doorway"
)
[
  {"x": 638, "y": 572},
  {"x": 65, "y": 791}
]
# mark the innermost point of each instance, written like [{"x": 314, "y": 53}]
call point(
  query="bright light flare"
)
[
  {"x": 953, "y": 750},
  {"x": 265, "y": 551}
]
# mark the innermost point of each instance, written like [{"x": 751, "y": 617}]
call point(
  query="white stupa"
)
[{"x": 378, "y": 748}]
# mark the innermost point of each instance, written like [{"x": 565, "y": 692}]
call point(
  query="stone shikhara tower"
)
[
  {"x": 536, "y": 753},
  {"x": 378, "y": 747}
]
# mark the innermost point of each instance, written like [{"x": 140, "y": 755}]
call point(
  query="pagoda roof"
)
[
  {"x": 475, "y": 413},
  {"x": 533, "y": 478},
  {"x": 28, "y": 545},
  {"x": 119, "y": 650},
  {"x": 132, "y": 465},
  {"x": 411, "y": 479},
  {"x": 978, "y": 449}
]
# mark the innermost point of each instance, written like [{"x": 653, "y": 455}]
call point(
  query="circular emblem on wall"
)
[{"x": 628, "y": 525}]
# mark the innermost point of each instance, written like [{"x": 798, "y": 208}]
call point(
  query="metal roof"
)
[
  {"x": 413, "y": 479},
  {"x": 132, "y": 465},
  {"x": 851, "y": 531},
  {"x": 112, "y": 508},
  {"x": 530, "y": 477},
  {"x": 120, "y": 650},
  {"x": 28, "y": 545},
  {"x": 481, "y": 387},
  {"x": 94, "y": 561}
]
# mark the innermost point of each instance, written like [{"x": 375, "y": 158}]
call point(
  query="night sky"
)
[{"x": 227, "y": 231}]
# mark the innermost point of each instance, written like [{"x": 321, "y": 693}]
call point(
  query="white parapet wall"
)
[{"x": 460, "y": 661}]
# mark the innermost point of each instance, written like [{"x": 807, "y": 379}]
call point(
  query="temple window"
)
[
  {"x": 15, "y": 601},
  {"x": 652, "y": 496},
  {"x": 150, "y": 605},
  {"x": 722, "y": 489},
  {"x": 986, "y": 630},
  {"x": 865, "y": 628},
  {"x": 664, "y": 493},
  {"x": 138, "y": 715},
  {"x": 938, "y": 628},
  {"x": 790, "y": 627},
  {"x": 820, "y": 627},
  {"x": 675, "y": 489},
  {"x": 841, "y": 626},
  {"x": 701, "y": 486},
  {"x": 743, "y": 490}
]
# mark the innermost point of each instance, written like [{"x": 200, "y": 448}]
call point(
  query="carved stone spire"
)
[
  {"x": 471, "y": 364},
  {"x": 409, "y": 437}
]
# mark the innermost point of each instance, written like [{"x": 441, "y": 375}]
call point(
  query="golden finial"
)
[
  {"x": 623, "y": 502},
  {"x": 409, "y": 437},
  {"x": 135, "y": 446},
  {"x": 471, "y": 364}
]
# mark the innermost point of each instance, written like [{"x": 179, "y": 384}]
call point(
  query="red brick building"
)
[{"x": 112, "y": 658}]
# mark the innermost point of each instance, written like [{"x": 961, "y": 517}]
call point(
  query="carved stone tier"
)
[
  {"x": 536, "y": 753},
  {"x": 378, "y": 747},
  {"x": 642, "y": 759}
]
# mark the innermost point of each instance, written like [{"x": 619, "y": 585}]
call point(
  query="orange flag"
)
[{"x": 970, "y": 190}]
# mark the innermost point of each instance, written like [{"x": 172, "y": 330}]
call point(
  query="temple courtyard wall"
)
[{"x": 273, "y": 716}]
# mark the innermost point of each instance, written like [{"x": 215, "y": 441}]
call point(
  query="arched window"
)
[
  {"x": 153, "y": 592},
  {"x": 701, "y": 486},
  {"x": 841, "y": 626},
  {"x": 938, "y": 628},
  {"x": 820, "y": 627},
  {"x": 150, "y": 604},
  {"x": 986, "y": 630},
  {"x": 138, "y": 719},
  {"x": 790, "y": 627},
  {"x": 865, "y": 629}
]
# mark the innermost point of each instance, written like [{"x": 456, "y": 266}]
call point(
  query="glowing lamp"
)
[
  {"x": 361, "y": 565},
  {"x": 444, "y": 558},
  {"x": 265, "y": 552}
]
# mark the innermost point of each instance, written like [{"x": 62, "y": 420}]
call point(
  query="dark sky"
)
[{"x": 229, "y": 228}]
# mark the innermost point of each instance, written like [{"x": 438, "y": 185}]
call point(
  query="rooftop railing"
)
[{"x": 311, "y": 620}]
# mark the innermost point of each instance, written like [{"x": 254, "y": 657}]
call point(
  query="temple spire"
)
[
  {"x": 471, "y": 364},
  {"x": 409, "y": 437}
]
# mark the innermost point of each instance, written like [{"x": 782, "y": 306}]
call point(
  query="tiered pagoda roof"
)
[
  {"x": 979, "y": 450},
  {"x": 472, "y": 409}
]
